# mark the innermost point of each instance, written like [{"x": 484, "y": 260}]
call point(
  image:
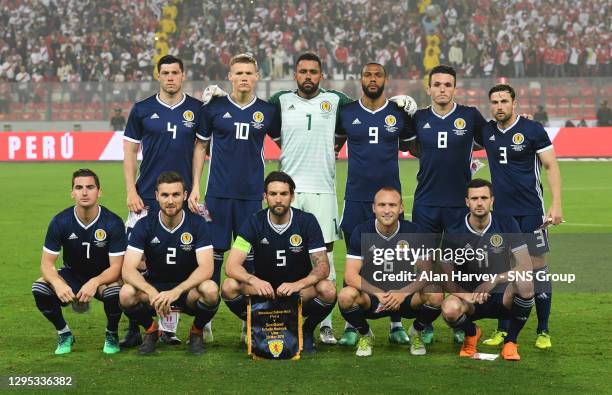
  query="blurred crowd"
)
[{"x": 113, "y": 40}]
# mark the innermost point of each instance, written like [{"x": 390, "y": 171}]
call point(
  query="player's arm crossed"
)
[
  {"x": 234, "y": 268},
  {"x": 320, "y": 271}
]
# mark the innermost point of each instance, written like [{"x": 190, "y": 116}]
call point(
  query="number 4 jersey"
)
[{"x": 236, "y": 134}]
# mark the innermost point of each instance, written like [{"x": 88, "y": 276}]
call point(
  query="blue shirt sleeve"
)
[
  {"x": 203, "y": 240},
  {"x": 315, "y": 236},
  {"x": 408, "y": 132},
  {"x": 541, "y": 139},
  {"x": 205, "y": 126},
  {"x": 479, "y": 124},
  {"x": 354, "y": 246},
  {"x": 117, "y": 240},
  {"x": 274, "y": 131},
  {"x": 138, "y": 236},
  {"x": 248, "y": 230},
  {"x": 53, "y": 239},
  {"x": 339, "y": 129},
  {"x": 133, "y": 128}
]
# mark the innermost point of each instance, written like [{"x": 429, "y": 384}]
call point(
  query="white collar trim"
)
[
  {"x": 467, "y": 223},
  {"x": 383, "y": 236},
  {"x": 509, "y": 127},
  {"x": 176, "y": 227},
  {"x": 82, "y": 225},
  {"x": 447, "y": 114},
  {"x": 242, "y": 107},
  {"x": 374, "y": 111},
  {"x": 168, "y": 105},
  {"x": 286, "y": 226}
]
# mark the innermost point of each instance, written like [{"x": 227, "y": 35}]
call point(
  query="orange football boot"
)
[{"x": 468, "y": 349}]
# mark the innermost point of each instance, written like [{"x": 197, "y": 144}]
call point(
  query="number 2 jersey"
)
[
  {"x": 236, "y": 134},
  {"x": 446, "y": 143},
  {"x": 515, "y": 165},
  {"x": 86, "y": 248},
  {"x": 167, "y": 136},
  {"x": 282, "y": 255},
  {"x": 170, "y": 254}
]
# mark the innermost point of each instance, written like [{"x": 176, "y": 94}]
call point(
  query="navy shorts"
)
[
  {"x": 227, "y": 217},
  {"x": 492, "y": 308},
  {"x": 75, "y": 280},
  {"x": 405, "y": 310},
  {"x": 537, "y": 240},
  {"x": 436, "y": 219},
  {"x": 355, "y": 213},
  {"x": 181, "y": 302}
]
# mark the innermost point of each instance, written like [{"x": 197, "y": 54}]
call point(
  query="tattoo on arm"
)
[{"x": 320, "y": 265}]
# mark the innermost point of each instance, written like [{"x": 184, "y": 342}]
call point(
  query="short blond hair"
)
[{"x": 243, "y": 58}]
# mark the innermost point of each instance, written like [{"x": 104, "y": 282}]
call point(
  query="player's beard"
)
[
  {"x": 503, "y": 118},
  {"x": 373, "y": 95},
  {"x": 308, "y": 90},
  {"x": 279, "y": 211}
]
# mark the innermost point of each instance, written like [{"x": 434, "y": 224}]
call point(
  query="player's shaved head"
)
[
  {"x": 85, "y": 173},
  {"x": 373, "y": 78},
  {"x": 385, "y": 190},
  {"x": 365, "y": 66}
]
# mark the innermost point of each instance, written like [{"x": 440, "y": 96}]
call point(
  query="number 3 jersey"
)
[
  {"x": 170, "y": 254},
  {"x": 167, "y": 135},
  {"x": 282, "y": 254},
  {"x": 236, "y": 134},
  {"x": 86, "y": 248},
  {"x": 515, "y": 165}
]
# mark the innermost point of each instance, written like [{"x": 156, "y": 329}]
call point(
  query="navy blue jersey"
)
[
  {"x": 282, "y": 257},
  {"x": 86, "y": 248},
  {"x": 497, "y": 241},
  {"x": 236, "y": 134},
  {"x": 369, "y": 228},
  {"x": 372, "y": 139},
  {"x": 170, "y": 255},
  {"x": 446, "y": 154},
  {"x": 515, "y": 165},
  {"x": 167, "y": 135}
]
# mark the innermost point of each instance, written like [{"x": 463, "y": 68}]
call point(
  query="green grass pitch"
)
[{"x": 578, "y": 362}]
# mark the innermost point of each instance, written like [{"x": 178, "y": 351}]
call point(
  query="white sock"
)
[
  {"x": 396, "y": 324},
  {"x": 65, "y": 330},
  {"x": 208, "y": 326},
  {"x": 327, "y": 322}
]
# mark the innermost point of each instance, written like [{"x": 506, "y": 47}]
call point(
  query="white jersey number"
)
[
  {"x": 172, "y": 129},
  {"x": 442, "y": 139},
  {"x": 373, "y": 132},
  {"x": 170, "y": 256},
  {"x": 242, "y": 131},
  {"x": 281, "y": 258},
  {"x": 503, "y": 155}
]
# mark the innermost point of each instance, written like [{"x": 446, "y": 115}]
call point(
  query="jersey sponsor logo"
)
[
  {"x": 291, "y": 107},
  {"x": 264, "y": 241},
  {"x": 155, "y": 240},
  {"x": 427, "y": 126},
  {"x": 326, "y": 106},
  {"x": 492, "y": 138},
  {"x": 73, "y": 237},
  {"x": 188, "y": 118},
  {"x": 155, "y": 116},
  {"x": 258, "y": 119},
  {"x": 518, "y": 138},
  {"x": 459, "y": 123},
  {"x": 227, "y": 115},
  {"x": 276, "y": 347},
  {"x": 100, "y": 235},
  {"x": 356, "y": 121}
]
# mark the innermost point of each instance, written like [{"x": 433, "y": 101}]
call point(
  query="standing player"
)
[
  {"x": 507, "y": 295},
  {"x": 446, "y": 133},
  {"x": 374, "y": 130},
  {"x": 309, "y": 116},
  {"x": 165, "y": 126},
  {"x": 363, "y": 297},
  {"x": 178, "y": 252},
  {"x": 289, "y": 258},
  {"x": 517, "y": 147},
  {"x": 235, "y": 127},
  {"x": 93, "y": 242}
]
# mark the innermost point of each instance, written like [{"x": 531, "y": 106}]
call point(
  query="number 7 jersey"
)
[{"x": 236, "y": 134}]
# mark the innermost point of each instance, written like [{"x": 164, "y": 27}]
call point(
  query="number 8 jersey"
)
[{"x": 236, "y": 134}]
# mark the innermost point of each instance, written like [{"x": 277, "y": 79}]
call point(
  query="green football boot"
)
[
  {"x": 398, "y": 335},
  {"x": 111, "y": 343},
  {"x": 349, "y": 337},
  {"x": 64, "y": 343}
]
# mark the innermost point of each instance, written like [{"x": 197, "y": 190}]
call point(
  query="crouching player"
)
[
  {"x": 289, "y": 257},
  {"x": 179, "y": 259},
  {"x": 93, "y": 242},
  {"x": 488, "y": 287},
  {"x": 363, "y": 298}
]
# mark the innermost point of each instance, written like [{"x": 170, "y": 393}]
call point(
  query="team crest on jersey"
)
[
  {"x": 296, "y": 243},
  {"x": 326, "y": 106},
  {"x": 390, "y": 122},
  {"x": 402, "y": 245},
  {"x": 496, "y": 240},
  {"x": 188, "y": 118},
  {"x": 459, "y": 123},
  {"x": 100, "y": 235},
  {"x": 518, "y": 138},
  {"x": 186, "y": 239},
  {"x": 276, "y": 347},
  {"x": 258, "y": 119}
]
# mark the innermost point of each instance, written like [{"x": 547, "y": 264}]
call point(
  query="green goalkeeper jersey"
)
[{"x": 307, "y": 138}]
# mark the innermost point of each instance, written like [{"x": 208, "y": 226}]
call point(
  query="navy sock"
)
[
  {"x": 203, "y": 314},
  {"x": 426, "y": 315},
  {"x": 464, "y": 323},
  {"x": 503, "y": 325},
  {"x": 110, "y": 297},
  {"x": 48, "y": 304},
  {"x": 315, "y": 310},
  {"x": 141, "y": 314},
  {"x": 238, "y": 306},
  {"x": 543, "y": 298},
  {"x": 521, "y": 308},
  {"x": 395, "y": 317},
  {"x": 218, "y": 259},
  {"x": 133, "y": 326},
  {"x": 355, "y": 316}
]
